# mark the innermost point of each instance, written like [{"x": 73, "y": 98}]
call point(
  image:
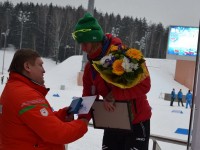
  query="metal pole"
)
[
  {"x": 194, "y": 128},
  {"x": 91, "y": 7},
  {"x": 91, "y": 11}
]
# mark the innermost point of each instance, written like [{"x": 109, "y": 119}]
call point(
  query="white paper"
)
[{"x": 87, "y": 104}]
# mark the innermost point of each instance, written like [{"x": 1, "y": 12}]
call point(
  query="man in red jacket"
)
[
  {"x": 28, "y": 122},
  {"x": 96, "y": 44}
]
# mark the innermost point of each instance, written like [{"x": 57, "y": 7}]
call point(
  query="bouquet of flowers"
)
[{"x": 123, "y": 67}]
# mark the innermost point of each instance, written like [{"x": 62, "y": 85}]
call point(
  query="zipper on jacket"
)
[{"x": 134, "y": 105}]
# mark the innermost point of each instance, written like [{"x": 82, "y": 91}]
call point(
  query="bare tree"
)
[{"x": 58, "y": 30}]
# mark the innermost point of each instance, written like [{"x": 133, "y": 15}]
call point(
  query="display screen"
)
[{"x": 182, "y": 42}]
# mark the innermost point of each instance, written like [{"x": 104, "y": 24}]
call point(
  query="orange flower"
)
[
  {"x": 134, "y": 53},
  {"x": 117, "y": 67},
  {"x": 113, "y": 48}
]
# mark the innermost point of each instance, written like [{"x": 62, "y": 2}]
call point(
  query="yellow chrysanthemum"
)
[
  {"x": 134, "y": 53},
  {"x": 113, "y": 48},
  {"x": 117, "y": 67}
]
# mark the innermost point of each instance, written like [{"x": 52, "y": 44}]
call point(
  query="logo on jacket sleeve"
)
[{"x": 44, "y": 112}]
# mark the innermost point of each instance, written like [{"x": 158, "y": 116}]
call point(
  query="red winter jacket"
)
[
  {"x": 28, "y": 122},
  {"x": 137, "y": 94}
]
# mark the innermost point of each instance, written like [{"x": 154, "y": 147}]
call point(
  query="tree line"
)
[{"x": 48, "y": 29}]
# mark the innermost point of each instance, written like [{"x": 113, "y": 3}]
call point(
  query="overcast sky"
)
[{"x": 168, "y": 12}]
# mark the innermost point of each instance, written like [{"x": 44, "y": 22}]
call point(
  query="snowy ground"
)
[{"x": 164, "y": 122}]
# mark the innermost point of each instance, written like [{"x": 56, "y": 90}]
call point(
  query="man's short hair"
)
[{"x": 20, "y": 57}]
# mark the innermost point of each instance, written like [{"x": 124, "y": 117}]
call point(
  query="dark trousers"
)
[
  {"x": 127, "y": 140},
  {"x": 172, "y": 100},
  {"x": 180, "y": 101}
]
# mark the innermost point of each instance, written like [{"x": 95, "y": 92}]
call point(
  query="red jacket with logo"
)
[
  {"x": 28, "y": 121},
  {"x": 137, "y": 95}
]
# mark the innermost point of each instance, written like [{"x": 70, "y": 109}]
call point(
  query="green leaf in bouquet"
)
[
  {"x": 130, "y": 76},
  {"x": 100, "y": 67},
  {"x": 139, "y": 70},
  {"x": 107, "y": 71},
  {"x": 133, "y": 60},
  {"x": 116, "y": 56}
]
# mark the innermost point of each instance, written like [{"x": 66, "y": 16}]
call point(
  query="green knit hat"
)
[{"x": 88, "y": 30}]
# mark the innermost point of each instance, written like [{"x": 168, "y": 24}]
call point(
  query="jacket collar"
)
[{"x": 19, "y": 77}]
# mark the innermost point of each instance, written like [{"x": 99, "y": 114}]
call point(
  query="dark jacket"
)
[
  {"x": 180, "y": 95},
  {"x": 173, "y": 94}
]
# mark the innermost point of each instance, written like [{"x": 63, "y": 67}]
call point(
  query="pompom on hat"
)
[{"x": 88, "y": 30}]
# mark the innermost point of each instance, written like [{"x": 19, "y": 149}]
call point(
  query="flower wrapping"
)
[{"x": 123, "y": 67}]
